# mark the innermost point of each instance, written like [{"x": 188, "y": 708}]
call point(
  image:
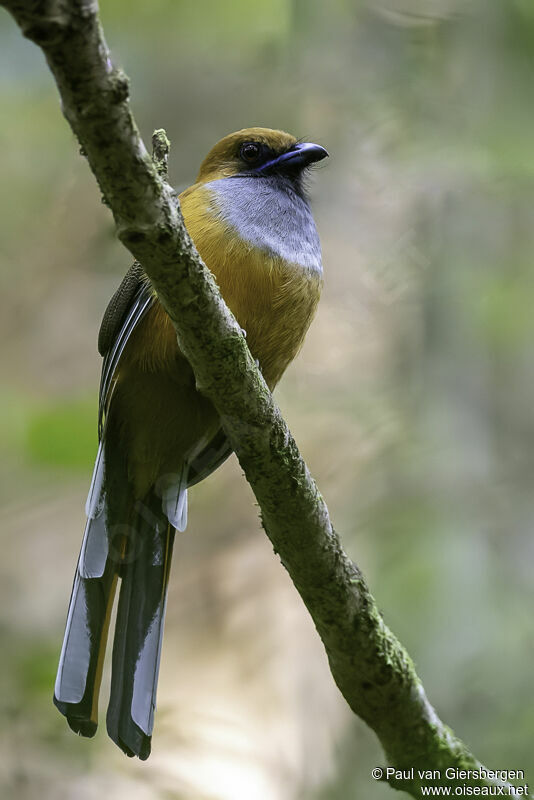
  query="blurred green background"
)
[{"x": 411, "y": 401}]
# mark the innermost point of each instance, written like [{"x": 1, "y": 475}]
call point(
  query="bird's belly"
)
[{"x": 163, "y": 421}]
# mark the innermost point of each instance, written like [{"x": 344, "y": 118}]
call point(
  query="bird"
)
[{"x": 249, "y": 216}]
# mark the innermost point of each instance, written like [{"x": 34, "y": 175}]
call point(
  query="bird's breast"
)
[{"x": 261, "y": 244}]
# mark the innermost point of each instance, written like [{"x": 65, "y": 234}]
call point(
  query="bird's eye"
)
[{"x": 250, "y": 152}]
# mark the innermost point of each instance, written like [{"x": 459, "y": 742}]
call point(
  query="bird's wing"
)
[
  {"x": 125, "y": 310},
  {"x": 118, "y": 307}
]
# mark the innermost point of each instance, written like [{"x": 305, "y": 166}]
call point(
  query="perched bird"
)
[{"x": 250, "y": 219}]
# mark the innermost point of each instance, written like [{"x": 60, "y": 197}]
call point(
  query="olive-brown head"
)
[{"x": 258, "y": 151}]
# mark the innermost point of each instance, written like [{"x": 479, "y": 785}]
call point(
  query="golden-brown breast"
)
[{"x": 273, "y": 301}]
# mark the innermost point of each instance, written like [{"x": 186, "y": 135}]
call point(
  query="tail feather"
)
[
  {"x": 82, "y": 655},
  {"x": 95, "y": 548},
  {"x": 140, "y": 554},
  {"x": 139, "y": 629}
]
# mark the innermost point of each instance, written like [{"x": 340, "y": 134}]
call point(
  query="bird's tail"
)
[
  {"x": 140, "y": 554},
  {"x": 139, "y": 627}
]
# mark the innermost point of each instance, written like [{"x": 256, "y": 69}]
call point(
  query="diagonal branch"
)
[{"x": 371, "y": 668}]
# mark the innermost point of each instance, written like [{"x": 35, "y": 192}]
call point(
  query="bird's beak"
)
[{"x": 301, "y": 155}]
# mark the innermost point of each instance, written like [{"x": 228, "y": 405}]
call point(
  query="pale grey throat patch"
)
[{"x": 267, "y": 213}]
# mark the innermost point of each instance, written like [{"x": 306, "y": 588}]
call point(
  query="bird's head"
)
[{"x": 259, "y": 152}]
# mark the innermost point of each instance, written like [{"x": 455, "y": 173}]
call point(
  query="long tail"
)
[
  {"x": 139, "y": 627},
  {"x": 140, "y": 554}
]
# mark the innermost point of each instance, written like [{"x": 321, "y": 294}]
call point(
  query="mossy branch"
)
[{"x": 371, "y": 668}]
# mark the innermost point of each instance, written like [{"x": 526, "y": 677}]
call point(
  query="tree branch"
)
[{"x": 371, "y": 668}]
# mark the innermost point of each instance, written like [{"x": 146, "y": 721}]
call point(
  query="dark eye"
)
[{"x": 250, "y": 152}]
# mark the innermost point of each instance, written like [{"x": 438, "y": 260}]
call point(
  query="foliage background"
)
[{"x": 411, "y": 401}]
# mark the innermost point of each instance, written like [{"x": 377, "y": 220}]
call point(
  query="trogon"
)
[{"x": 249, "y": 216}]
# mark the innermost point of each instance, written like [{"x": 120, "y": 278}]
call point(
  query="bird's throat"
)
[{"x": 268, "y": 214}]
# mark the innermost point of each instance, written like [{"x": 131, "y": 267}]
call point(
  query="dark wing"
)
[
  {"x": 125, "y": 310},
  {"x": 118, "y": 307}
]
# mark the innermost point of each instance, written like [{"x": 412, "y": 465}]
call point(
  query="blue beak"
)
[{"x": 298, "y": 157}]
